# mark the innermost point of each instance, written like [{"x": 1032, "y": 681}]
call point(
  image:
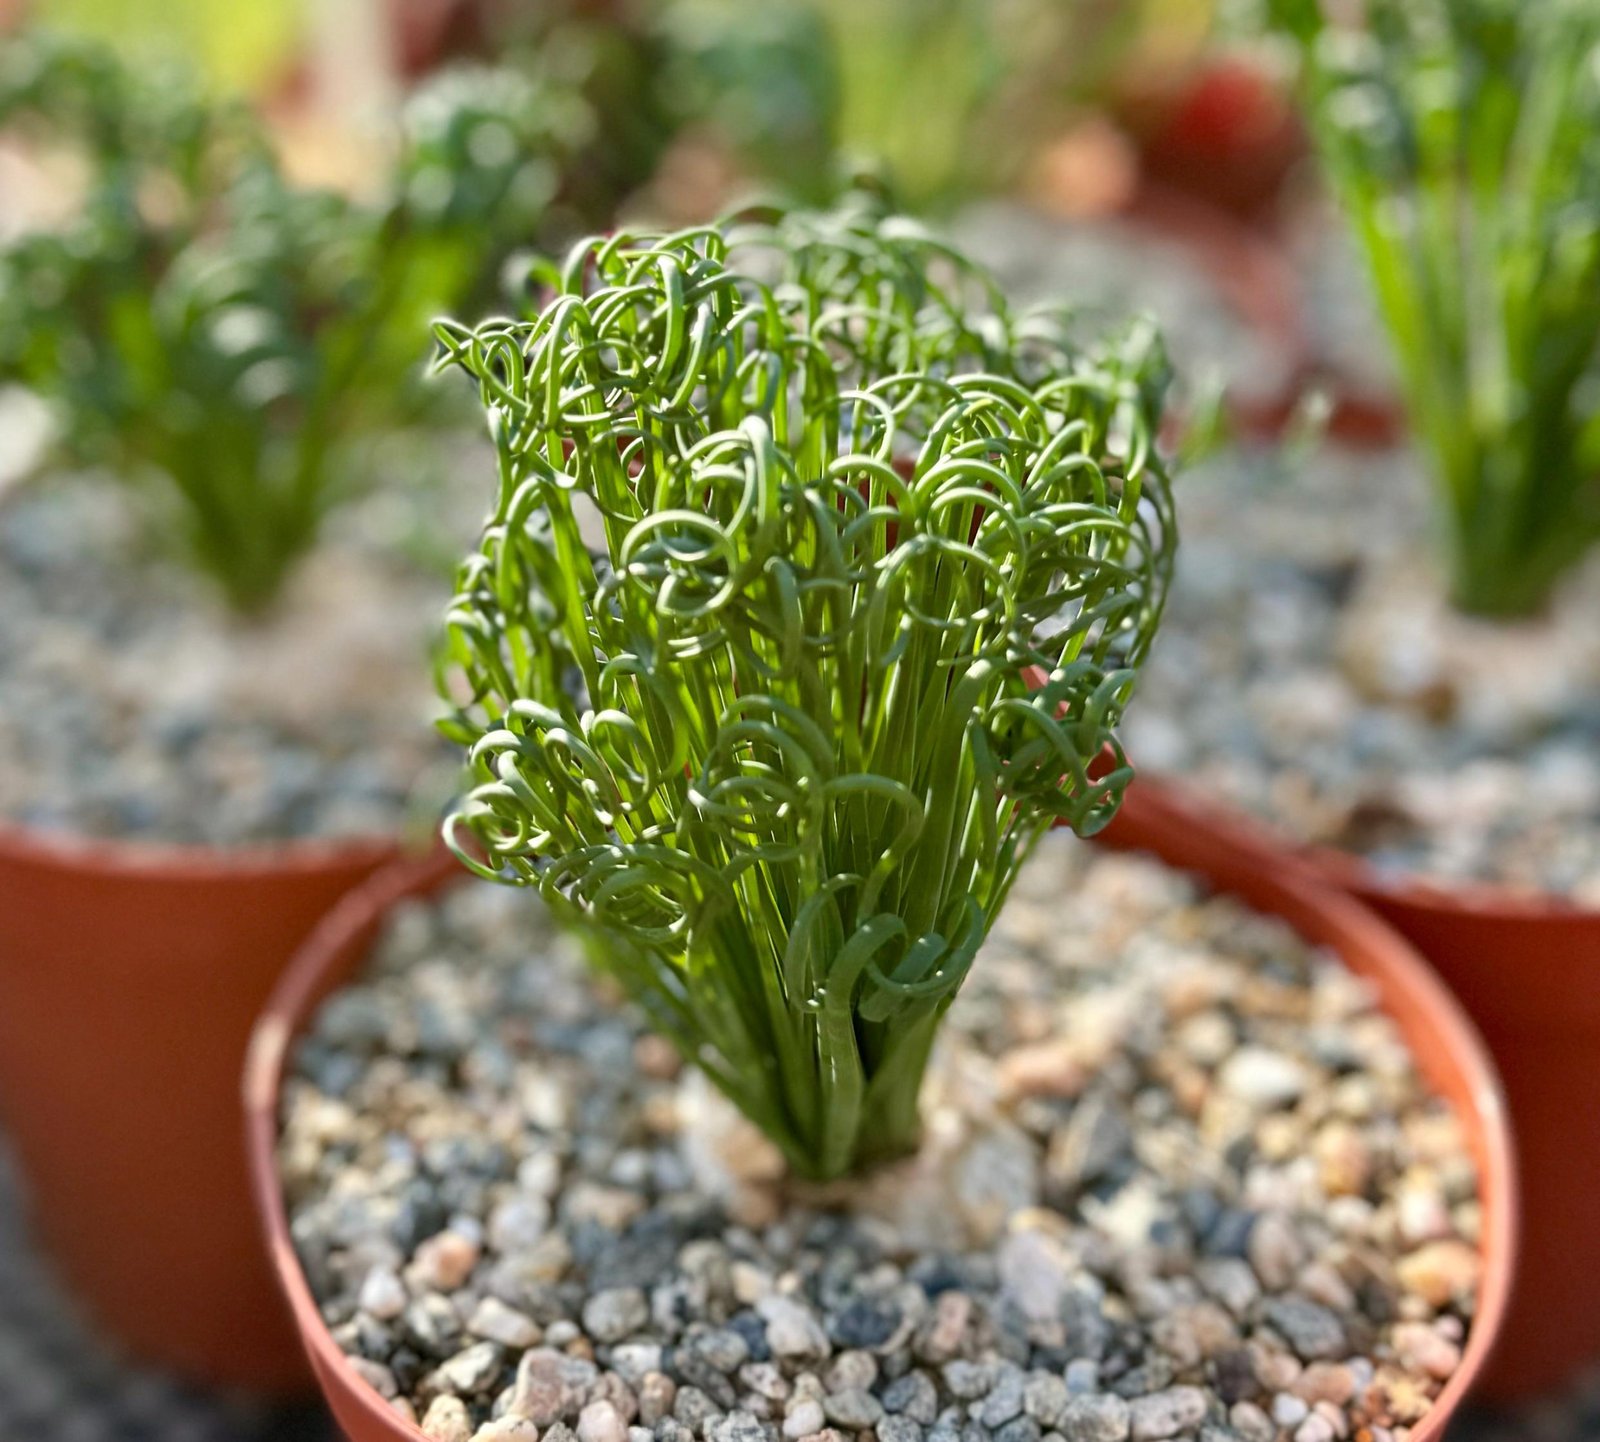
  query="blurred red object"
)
[{"x": 1226, "y": 132}]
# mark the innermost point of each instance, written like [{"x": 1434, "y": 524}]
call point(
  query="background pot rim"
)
[
  {"x": 1351, "y": 872},
  {"x": 354, "y": 923},
  {"x": 136, "y": 857}
]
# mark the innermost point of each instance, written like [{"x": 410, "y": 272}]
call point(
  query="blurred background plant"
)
[
  {"x": 201, "y": 325},
  {"x": 1462, "y": 138}
]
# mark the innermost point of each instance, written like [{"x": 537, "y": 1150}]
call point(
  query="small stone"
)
[
  {"x": 1263, "y": 1078},
  {"x": 383, "y": 1295},
  {"x": 856, "y": 1409},
  {"x": 738, "y": 1426},
  {"x": 1004, "y": 1402},
  {"x": 494, "y": 1321},
  {"x": 611, "y": 1208},
  {"x": 899, "y": 1429},
  {"x": 1083, "y": 1376},
  {"x": 968, "y": 1380},
  {"x": 1045, "y": 1398},
  {"x": 1051, "y": 1068},
  {"x": 1251, "y": 1423},
  {"x": 1326, "y": 1382},
  {"x": 1421, "y": 1348},
  {"x": 444, "y": 1262},
  {"x": 599, "y": 1422},
  {"x": 610, "y": 1387},
  {"x": 851, "y": 1371},
  {"x": 1289, "y": 1410},
  {"x": 721, "y": 1348},
  {"x": 446, "y": 1420},
  {"x": 765, "y": 1380},
  {"x": 1101, "y": 1418},
  {"x": 657, "y": 1394},
  {"x": 793, "y": 1330},
  {"x": 1019, "y": 1429},
  {"x": 695, "y": 1409},
  {"x": 913, "y": 1395},
  {"x": 1165, "y": 1414},
  {"x": 636, "y": 1360},
  {"x": 1440, "y": 1272},
  {"x": 1276, "y": 1250},
  {"x": 1314, "y": 1429},
  {"x": 615, "y": 1313},
  {"x": 471, "y": 1371},
  {"x": 1312, "y": 1330},
  {"x": 941, "y": 1336},
  {"x": 518, "y": 1223},
  {"x": 376, "y": 1376},
  {"x": 550, "y": 1386},
  {"x": 507, "y": 1429},
  {"x": 804, "y": 1418}
]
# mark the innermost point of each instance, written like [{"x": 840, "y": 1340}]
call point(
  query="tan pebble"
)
[
  {"x": 1344, "y": 1160},
  {"x": 1276, "y": 1369},
  {"x": 1049, "y": 1068},
  {"x": 600, "y": 1422},
  {"x": 1322, "y": 1283},
  {"x": 507, "y": 1429},
  {"x": 755, "y": 1207},
  {"x": 656, "y": 1057},
  {"x": 1440, "y": 1272},
  {"x": 1276, "y": 1250},
  {"x": 1420, "y": 1348},
  {"x": 1326, "y": 1382},
  {"x": 1395, "y": 1397},
  {"x": 1422, "y": 1214},
  {"x": 828, "y": 1434},
  {"x": 1335, "y": 1417},
  {"x": 446, "y": 1420},
  {"x": 657, "y": 1393},
  {"x": 445, "y": 1261}
]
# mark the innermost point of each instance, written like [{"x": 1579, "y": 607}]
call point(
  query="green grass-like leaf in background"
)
[{"x": 1463, "y": 139}]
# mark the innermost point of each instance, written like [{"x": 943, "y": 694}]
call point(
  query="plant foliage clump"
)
[
  {"x": 203, "y": 324},
  {"x": 1463, "y": 137},
  {"x": 813, "y": 594}
]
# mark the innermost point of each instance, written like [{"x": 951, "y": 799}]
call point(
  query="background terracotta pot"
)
[
  {"x": 129, "y": 980},
  {"x": 1527, "y": 971},
  {"x": 1450, "y": 1053}
]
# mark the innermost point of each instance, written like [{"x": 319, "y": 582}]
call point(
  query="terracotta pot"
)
[
  {"x": 1527, "y": 970},
  {"x": 129, "y": 979},
  {"x": 1445, "y": 1045}
]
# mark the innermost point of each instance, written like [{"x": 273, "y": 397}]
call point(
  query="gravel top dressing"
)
[
  {"x": 1180, "y": 1179},
  {"x": 132, "y": 705},
  {"x": 1310, "y": 671}
]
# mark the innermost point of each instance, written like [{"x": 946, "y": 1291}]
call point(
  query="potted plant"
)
[
  {"x": 814, "y": 591},
  {"x": 226, "y": 352},
  {"x": 1430, "y": 731}
]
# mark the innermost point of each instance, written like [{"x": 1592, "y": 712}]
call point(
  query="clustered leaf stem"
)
[{"x": 787, "y": 507}]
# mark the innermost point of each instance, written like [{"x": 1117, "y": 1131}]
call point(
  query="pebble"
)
[
  {"x": 611, "y": 1315},
  {"x": 1103, "y": 1418},
  {"x": 600, "y": 1422},
  {"x": 1166, "y": 1414},
  {"x": 1440, "y": 1272},
  {"x": 494, "y": 1321},
  {"x": 446, "y": 1420},
  {"x": 444, "y": 1262},
  {"x": 804, "y": 1418},
  {"x": 1263, "y": 1078},
  {"x": 793, "y": 1330},
  {"x": 1312, "y": 1330}
]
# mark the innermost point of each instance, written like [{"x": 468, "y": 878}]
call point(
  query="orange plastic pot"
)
[
  {"x": 1527, "y": 970},
  {"x": 130, "y": 976},
  {"x": 1446, "y": 1047}
]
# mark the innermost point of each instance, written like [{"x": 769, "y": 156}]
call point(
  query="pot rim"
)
[
  {"x": 1351, "y": 872},
  {"x": 1289, "y": 887},
  {"x": 85, "y": 855}
]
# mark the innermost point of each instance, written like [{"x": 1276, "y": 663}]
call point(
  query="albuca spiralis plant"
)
[
  {"x": 815, "y": 588},
  {"x": 205, "y": 328},
  {"x": 1463, "y": 138}
]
